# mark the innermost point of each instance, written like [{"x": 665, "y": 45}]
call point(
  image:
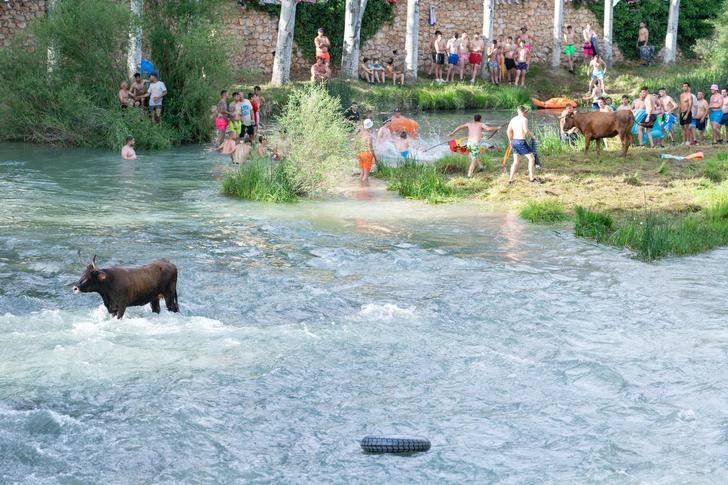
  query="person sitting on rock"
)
[{"x": 320, "y": 70}]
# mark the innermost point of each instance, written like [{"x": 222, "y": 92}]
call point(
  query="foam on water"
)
[{"x": 525, "y": 355}]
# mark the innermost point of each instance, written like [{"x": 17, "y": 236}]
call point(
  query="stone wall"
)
[
  {"x": 16, "y": 15},
  {"x": 467, "y": 16}
]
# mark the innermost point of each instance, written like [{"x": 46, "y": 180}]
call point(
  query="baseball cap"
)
[
  {"x": 368, "y": 123},
  {"x": 714, "y": 86}
]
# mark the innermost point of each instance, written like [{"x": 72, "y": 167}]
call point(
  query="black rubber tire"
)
[{"x": 380, "y": 444}]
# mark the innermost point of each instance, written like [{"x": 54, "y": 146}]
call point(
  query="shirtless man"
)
[
  {"x": 668, "y": 120},
  {"x": 587, "y": 47},
  {"x": 523, "y": 55},
  {"x": 260, "y": 101},
  {"x": 570, "y": 47},
  {"x": 509, "y": 53},
  {"x": 463, "y": 52},
  {"x": 637, "y": 104},
  {"x": 125, "y": 97},
  {"x": 526, "y": 38},
  {"x": 242, "y": 151},
  {"x": 567, "y": 136},
  {"x": 493, "y": 64},
  {"x": 475, "y": 134},
  {"x": 320, "y": 71},
  {"x": 715, "y": 113},
  {"x": 127, "y": 151},
  {"x": 476, "y": 56},
  {"x": 322, "y": 44},
  {"x": 643, "y": 36},
  {"x": 686, "y": 113},
  {"x": 626, "y": 105},
  {"x": 517, "y": 133},
  {"x": 433, "y": 54},
  {"x": 138, "y": 89},
  {"x": 440, "y": 54},
  {"x": 452, "y": 56},
  {"x": 650, "y": 118},
  {"x": 366, "y": 156},
  {"x": 701, "y": 117}
]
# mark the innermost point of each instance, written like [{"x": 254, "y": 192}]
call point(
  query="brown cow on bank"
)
[{"x": 596, "y": 125}]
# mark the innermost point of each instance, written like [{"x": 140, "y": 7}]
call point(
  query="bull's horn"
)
[{"x": 93, "y": 262}]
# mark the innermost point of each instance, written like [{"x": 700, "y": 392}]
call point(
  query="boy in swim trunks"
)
[
  {"x": 522, "y": 57},
  {"x": 452, "y": 56},
  {"x": 475, "y": 134},
  {"x": 668, "y": 118},
  {"x": 463, "y": 50},
  {"x": 587, "y": 47},
  {"x": 509, "y": 52},
  {"x": 440, "y": 49},
  {"x": 686, "y": 113},
  {"x": 366, "y": 156},
  {"x": 650, "y": 118},
  {"x": 700, "y": 120},
  {"x": 493, "y": 65},
  {"x": 517, "y": 133},
  {"x": 569, "y": 47},
  {"x": 476, "y": 56},
  {"x": 403, "y": 146}
]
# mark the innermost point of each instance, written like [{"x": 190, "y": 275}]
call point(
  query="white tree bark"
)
[
  {"x": 411, "y": 41},
  {"x": 557, "y": 33},
  {"x": 608, "y": 31},
  {"x": 487, "y": 34},
  {"x": 352, "y": 38},
  {"x": 284, "y": 44},
  {"x": 134, "y": 55},
  {"x": 52, "y": 55},
  {"x": 671, "y": 36}
]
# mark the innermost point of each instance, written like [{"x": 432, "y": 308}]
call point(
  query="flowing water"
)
[{"x": 525, "y": 355}]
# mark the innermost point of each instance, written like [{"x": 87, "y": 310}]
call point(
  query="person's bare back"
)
[{"x": 518, "y": 128}]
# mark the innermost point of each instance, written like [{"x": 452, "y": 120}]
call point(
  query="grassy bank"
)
[
  {"x": 259, "y": 180},
  {"x": 651, "y": 206}
]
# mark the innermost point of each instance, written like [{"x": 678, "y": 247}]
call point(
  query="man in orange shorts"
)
[{"x": 366, "y": 157}]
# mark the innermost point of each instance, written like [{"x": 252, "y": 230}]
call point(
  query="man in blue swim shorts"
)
[
  {"x": 517, "y": 133},
  {"x": 452, "y": 56},
  {"x": 523, "y": 55},
  {"x": 716, "y": 113}
]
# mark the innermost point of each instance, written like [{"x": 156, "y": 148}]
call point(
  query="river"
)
[{"x": 524, "y": 354}]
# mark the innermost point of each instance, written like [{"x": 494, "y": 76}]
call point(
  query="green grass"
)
[
  {"x": 716, "y": 168},
  {"x": 259, "y": 180},
  {"x": 543, "y": 212},
  {"x": 453, "y": 164},
  {"x": 416, "y": 181},
  {"x": 653, "y": 236}
]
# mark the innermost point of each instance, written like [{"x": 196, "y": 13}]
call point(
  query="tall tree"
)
[
  {"x": 487, "y": 33},
  {"x": 608, "y": 30},
  {"x": 411, "y": 41},
  {"x": 284, "y": 45},
  {"x": 671, "y": 35},
  {"x": 52, "y": 45},
  {"x": 134, "y": 57},
  {"x": 352, "y": 38},
  {"x": 557, "y": 34}
]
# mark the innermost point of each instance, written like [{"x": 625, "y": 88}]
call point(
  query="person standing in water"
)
[
  {"x": 517, "y": 133},
  {"x": 127, "y": 151},
  {"x": 475, "y": 135},
  {"x": 366, "y": 157}
]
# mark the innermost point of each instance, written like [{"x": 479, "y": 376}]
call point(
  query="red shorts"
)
[
  {"x": 221, "y": 123},
  {"x": 324, "y": 55},
  {"x": 365, "y": 160},
  {"x": 475, "y": 58}
]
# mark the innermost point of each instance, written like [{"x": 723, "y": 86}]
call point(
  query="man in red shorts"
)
[{"x": 476, "y": 55}]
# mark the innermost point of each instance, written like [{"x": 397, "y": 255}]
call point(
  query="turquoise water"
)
[{"x": 525, "y": 355}]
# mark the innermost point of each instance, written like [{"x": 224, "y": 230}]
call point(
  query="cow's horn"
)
[{"x": 93, "y": 262}]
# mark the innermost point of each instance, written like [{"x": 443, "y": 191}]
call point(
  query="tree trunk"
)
[
  {"x": 134, "y": 56},
  {"x": 352, "y": 38},
  {"x": 411, "y": 41},
  {"x": 671, "y": 36},
  {"x": 557, "y": 33},
  {"x": 284, "y": 44},
  {"x": 52, "y": 55},
  {"x": 487, "y": 34},
  {"x": 608, "y": 31}
]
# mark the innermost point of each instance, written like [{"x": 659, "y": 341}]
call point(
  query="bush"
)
[
  {"x": 316, "y": 143},
  {"x": 543, "y": 212},
  {"x": 259, "y": 180}
]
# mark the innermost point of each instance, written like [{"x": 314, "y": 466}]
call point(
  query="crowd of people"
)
[
  {"x": 143, "y": 93},
  {"x": 237, "y": 124}
]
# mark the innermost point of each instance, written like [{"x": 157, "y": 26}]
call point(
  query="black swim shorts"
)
[
  {"x": 686, "y": 118},
  {"x": 249, "y": 130},
  {"x": 649, "y": 122},
  {"x": 510, "y": 64},
  {"x": 440, "y": 58}
]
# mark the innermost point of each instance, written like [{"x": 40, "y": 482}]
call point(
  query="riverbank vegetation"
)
[
  {"x": 652, "y": 206},
  {"x": 261, "y": 180},
  {"x": 73, "y": 100}
]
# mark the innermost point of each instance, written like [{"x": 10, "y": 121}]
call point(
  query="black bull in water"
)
[{"x": 124, "y": 286}]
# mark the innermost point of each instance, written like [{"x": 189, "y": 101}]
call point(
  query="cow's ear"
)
[{"x": 102, "y": 276}]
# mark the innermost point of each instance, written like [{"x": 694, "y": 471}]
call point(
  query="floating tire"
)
[{"x": 379, "y": 444}]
